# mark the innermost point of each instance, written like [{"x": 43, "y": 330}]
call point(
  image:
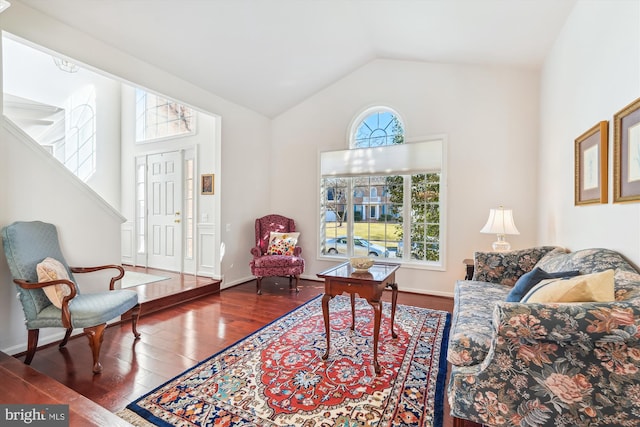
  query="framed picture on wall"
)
[
  {"x": 591, "y": 165},
  {"x": 207, "y": 183},
  {"x": 626, "y": 154}
]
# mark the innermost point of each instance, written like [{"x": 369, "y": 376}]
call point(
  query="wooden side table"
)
[
  {"x": 369, "y": 285},
  {"x": 468, "y": 262}
]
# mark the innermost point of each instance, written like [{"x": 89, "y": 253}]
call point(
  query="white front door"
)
[{"x": 164, "y": 189}]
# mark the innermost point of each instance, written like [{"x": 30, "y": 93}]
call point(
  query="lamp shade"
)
[{"x": 500, "y": 222}]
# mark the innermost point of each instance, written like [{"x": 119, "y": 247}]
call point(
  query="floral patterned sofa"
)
[{"x": 545, "y": 364}]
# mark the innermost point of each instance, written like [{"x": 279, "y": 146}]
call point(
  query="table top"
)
[{"x": 379, "y": 272}]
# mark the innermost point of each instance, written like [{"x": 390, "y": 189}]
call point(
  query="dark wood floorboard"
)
[{"x": 176, "y": 338}]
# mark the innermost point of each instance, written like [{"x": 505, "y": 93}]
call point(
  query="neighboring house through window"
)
[{"x": 390, "y": 193}]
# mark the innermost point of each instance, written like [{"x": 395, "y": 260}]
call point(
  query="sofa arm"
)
[
  {"x": 506, "y": 268},
  {"x": 566, "y": 324},
  {"x": 555, "y": 364}
]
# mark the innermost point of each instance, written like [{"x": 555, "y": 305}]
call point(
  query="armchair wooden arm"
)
[
  {"x": 114, "y": 279},
  {"x": 66, "y": 314}
]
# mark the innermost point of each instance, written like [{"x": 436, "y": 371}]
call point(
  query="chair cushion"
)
[
  {"x": 278, "y": 246},
  {"x": 275, "y": 261},
  {"x": 88, "y": 309},
  {"x": 277, "y": 265},
  {"x": 471, "y": 324},
  {"x": 52, "y": 269},
  {"x": 588, "y": 287}
]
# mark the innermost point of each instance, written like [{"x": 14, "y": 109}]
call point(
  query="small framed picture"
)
[
  {"x": 591, "y": 163},
  {"x": 626, "y": 154},
  {"x": 207, "y": 183}
]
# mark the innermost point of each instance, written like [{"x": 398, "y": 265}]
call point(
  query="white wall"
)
[
  {"x": 241, "y": 186},
  {"x": 30, "y": 73},
  {"x": 592, "y": 72},
  {"x": 244, "y": 134},
  {"x": 490, "y": 116},
  {"x": 37, "y": 187}
]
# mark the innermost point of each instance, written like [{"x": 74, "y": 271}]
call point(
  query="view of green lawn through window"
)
[{"x": 381, "y": 215}]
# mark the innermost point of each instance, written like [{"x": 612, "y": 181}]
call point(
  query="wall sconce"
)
[{"x": 500, "y": 222}]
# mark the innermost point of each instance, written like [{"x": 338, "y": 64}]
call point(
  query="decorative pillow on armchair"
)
[
  {"x": 52, "y": 269},
  {"x": 282, "y": 243}
]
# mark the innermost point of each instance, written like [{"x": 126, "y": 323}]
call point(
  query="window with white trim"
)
[
  {"x": 382, "y": 197},
  {"x": 158, "y": 117}
]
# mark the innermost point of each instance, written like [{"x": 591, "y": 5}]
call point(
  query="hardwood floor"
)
[{"x": 176, "y": 338}]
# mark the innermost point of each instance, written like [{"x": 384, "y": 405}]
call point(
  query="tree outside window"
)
[{"x": 392, "y": 216}]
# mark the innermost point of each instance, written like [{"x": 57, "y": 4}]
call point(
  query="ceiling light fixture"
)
[
  {"x": 4, "y": 5},
  {"x": 65, "y": 65}
]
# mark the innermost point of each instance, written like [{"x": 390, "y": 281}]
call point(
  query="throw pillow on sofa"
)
[
  {"x": 532, "y": 278},
  {"x": 596, "y": 287}
]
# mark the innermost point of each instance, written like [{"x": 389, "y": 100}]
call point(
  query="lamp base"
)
[{"x": 501, "y": 245}]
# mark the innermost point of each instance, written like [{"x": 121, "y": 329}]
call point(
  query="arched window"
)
[
  {"x": 381, "y": 127},
  {"x": 396, "y": 193}
]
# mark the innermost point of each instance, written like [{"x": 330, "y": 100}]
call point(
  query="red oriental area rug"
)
[{"x": 276, "y": 376}]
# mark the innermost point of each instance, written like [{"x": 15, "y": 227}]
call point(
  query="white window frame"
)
[
  {"x": 142, "y": 116},
  {"x": 406, "y": 224}
]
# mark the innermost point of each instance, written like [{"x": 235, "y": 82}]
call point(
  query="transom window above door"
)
[{"x": 158, "y": 117}]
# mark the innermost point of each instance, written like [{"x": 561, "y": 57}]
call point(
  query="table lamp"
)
[{"x": 500, "y": 222}]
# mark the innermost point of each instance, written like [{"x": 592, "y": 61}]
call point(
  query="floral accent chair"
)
[
  {"x": 547, "y": 363},
  {"x": 276, "y": 252}
]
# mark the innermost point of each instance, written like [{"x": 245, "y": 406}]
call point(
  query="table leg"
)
[
  {"x": 353, "y": 312},
  {"x": 394, "y": 300},
  {"x": 327, "y": 326},
  {"x": 377, "y": 313}
]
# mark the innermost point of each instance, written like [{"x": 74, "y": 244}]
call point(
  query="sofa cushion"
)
[
  {"x": 507, "y": 267},
  {"x": 627, "y": 285},
  {"x": 596, "y": 287},
  {"x": 532, "y": 278},
  {"x": 586, "y": 261},
  {"x": 471, "y": 327}
]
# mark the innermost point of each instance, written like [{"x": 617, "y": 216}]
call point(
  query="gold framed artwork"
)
[
  {"x": 626, "y": 154},
  {"x": 591, "y": 160},
  {"x": 206, "y": 184}
]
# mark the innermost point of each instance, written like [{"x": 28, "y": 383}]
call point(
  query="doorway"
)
[{"x": 164, "y": 215}]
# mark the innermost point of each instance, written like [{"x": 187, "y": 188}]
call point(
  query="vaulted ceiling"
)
[{"x": 269, "y": 55}]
